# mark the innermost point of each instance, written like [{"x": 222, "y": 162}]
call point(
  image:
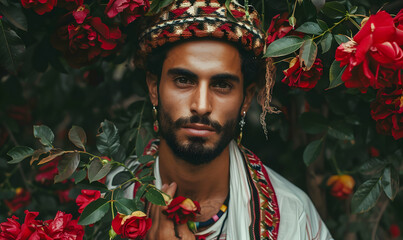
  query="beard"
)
[{"x": 194, "y": 151}]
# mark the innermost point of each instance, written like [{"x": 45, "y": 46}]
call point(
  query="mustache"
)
[{"x": 198, "y": 119}]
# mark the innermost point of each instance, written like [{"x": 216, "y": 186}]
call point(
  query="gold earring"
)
[
  {"x": 156, "y": 124},
  {"x": 241, "y": 123}
]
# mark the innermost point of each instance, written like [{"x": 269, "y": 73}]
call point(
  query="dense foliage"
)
[{"x": 71, "y": 63}]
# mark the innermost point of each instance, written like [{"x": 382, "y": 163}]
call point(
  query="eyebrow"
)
[{"x": 192, "y": 75}]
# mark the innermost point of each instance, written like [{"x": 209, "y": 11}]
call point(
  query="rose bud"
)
[
  {"x": 133, "y": 226},
  {"x": 342, "y": 185},
  {"x": 182, "y": 209}
]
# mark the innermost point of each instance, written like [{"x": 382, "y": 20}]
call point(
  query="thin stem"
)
[
  {"x": 378, "y": 218},
  {"x": 113, "y": 212},
  {"x": 331, "y": 28},
  {"x": 354, "y": 23}
]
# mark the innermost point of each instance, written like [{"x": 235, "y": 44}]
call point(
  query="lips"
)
[{"x": 198, "y": 130}]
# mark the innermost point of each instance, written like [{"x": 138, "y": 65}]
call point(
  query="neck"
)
[{"x": 203, "y": 183}]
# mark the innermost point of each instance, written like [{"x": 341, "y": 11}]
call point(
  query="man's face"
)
[{"x": 200, "y": 99}]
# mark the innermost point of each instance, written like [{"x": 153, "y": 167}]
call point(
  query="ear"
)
[
  {"x": 152, "y": 83},
  {"x": 249, "y": 93}
]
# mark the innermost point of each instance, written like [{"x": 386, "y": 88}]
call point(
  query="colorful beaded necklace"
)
[{"x": 193, "y": 226}]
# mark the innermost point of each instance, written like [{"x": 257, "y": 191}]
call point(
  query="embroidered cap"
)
[{"x": 189, "y": 19}]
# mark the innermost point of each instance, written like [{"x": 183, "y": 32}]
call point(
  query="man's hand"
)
[{"x": 164, "y": 228}]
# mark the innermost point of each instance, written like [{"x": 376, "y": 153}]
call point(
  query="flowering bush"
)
[{"x": 71, "y": 62}]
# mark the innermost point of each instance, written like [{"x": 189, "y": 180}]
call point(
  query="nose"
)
[{"x": 201, "y": 100}]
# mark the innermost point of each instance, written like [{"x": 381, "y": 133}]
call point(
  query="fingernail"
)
[
  {"x": 172, "y": 183},
  {"x": 164, "y": 185}
]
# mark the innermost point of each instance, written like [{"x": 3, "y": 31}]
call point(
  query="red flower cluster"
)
[
  {"x": 86, "y": 38},
  {"x": 279, "y": 27},
  {"x": 39, "y": 6},
  {"x": 61, "y": 227},
  {"x": 342, "y": 185},
  {"x": 374, "y": 58},
  {"x": 387, "y": 111},
  {"x": 130, "y": 9},
  {"x": 296, "y": 77},
  {"x": 21, "y": 199},
  {"x": 182, "y": 209},
  {"x": 133, "y": 226},
  {"x": 86, "y": 197}
]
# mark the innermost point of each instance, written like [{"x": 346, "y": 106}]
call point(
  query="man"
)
[{"x": 199, "y": 79}]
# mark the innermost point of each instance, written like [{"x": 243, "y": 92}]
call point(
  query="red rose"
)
[
  {"x": 130, "y": 9},
  {"x": 279, "y": 27},
  {"x": 21, "y": 199},
  {"x": 182, "y": 209},
  {"x": 70, "y": 4},
  {"x": 83, "y": 43},
  {"x": 373, "y": 55},
  {"x": 387, "y": 111},
  {"x": 10, "y": 229},
  {"x": 394, "y": 231},
  {"x": 133, "y": 226},
  {"x": 296, "y": 77},
  {"x": 64, "y": 196},
  {"x": 21, "y": 114},
  {"x": 62, "y": 227},
  {"x": 39, "y": 6},
  {"x": 47, "y": 172},
  {"x": 86, "y": 197},
  {"x": 373, "y": 152},
  {"x": 342, "y": 185},
  {"x": 398, "y": 20},
  {"x": 30, "y": 225}
]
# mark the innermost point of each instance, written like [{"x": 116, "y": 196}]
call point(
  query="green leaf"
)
[
  {"x": 155, "y": 197},
  {"x": 307, "y": 54},
  {"x": 366, "y": 196},
  {"x": 148, "y": 179},
  {"x": 78, "y": 176},
  {"x": 125, "y": 206},
  {"x": 139, "y": 194},
  {"x": 372, "y": 167},
  {"x": 322, "y": 24},
  {"x": 139, "y": 144},
  {"x": 54, "y": 153},
  {"x": 121, "y": 177},
  {"x": 45, "y": 134},
  {"x": 78, "y": 137},
  {"x": 145, "y": 159},
  {"x": 341, "y": 38},
  {"x": 326, "y": 42},
  {"x": 97, "y": 170},
  {"x": 12, "y": 48},
  {"x": 313, "y": 123},
  {"x": 229, "y": 14},
  {"x": 310, "y": 28},
  {"x": 335, "y": 74},
  {"x": 390, "y": 182},
  {"x": 67, "y": 166},
  {"x": 334, "y": 10},
  {"x": 284, "y": 46},
  {"x": 94, "y": 211},
  {"x": 19, "y": 153},
  {"x": 15, "y": 15},
  {"x": 312, "y": 151},
  {"x": 341, "y": 130},
  {"x": 108, "y": 142},
  {"x": 157, "y": 5}
]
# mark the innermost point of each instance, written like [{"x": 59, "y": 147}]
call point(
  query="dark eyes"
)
[{"x": 223, "y": 86}]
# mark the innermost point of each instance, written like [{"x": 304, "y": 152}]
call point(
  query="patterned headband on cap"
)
[{"x": 189, "y": 19}]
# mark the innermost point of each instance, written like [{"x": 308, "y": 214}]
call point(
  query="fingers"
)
[
  {"x": 184, "y": 232},
  {"x": 170, "y": 190}
]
